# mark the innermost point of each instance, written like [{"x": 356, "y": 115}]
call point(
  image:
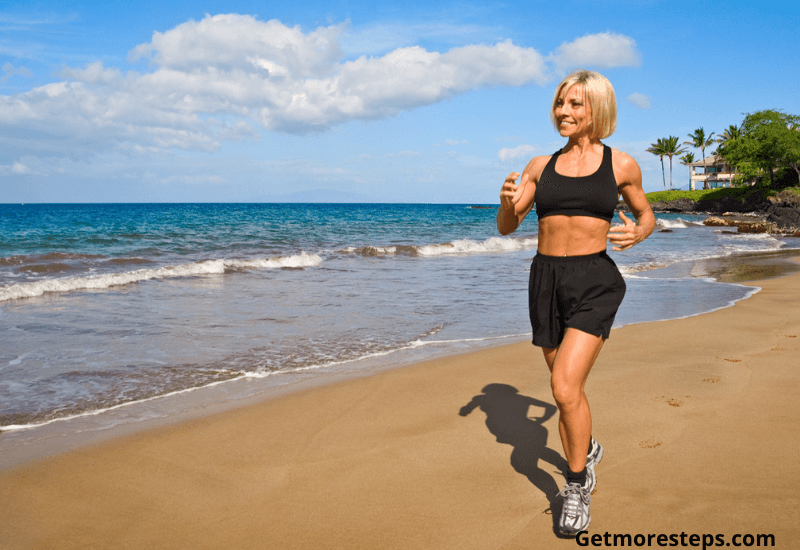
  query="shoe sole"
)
[
  {"x": 595, "y": 463},
  {"x": 575, "y": 534}
]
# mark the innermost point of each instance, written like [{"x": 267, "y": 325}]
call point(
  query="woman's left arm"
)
[{"x": 629, "y": 183}]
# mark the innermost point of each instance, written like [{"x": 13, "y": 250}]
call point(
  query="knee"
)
[{"x": 568, "y": 396}]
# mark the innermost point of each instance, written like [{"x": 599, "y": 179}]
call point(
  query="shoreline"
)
[
  {"x": 683, "y": 407},
  {"x": 37, "y": 443}
]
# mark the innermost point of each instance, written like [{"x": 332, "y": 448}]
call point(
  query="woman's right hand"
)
[{"x": 511, "y": 192}]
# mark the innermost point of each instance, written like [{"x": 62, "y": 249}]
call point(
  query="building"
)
[{"x": 713, "y": 170}]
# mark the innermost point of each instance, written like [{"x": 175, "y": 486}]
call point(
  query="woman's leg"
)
[{"x": 569, "y": 366}]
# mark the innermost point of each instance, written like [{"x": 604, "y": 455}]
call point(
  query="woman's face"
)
[{"x": 573, "y": 113}]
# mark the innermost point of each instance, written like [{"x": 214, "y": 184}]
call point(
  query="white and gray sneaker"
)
[
  {"x": 593, "y": 458},
  {"x": 575, "y": 512}
]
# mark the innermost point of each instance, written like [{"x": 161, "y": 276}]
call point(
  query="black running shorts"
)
[{"x": 582, "y": 292}]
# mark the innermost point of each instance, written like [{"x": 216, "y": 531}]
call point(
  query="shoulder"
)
[
  {"x": 626, "y": 169},
  {"x": 536, "y": 166}
]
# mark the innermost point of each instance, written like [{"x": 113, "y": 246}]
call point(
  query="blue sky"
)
[{"x": 360, "y": 101}]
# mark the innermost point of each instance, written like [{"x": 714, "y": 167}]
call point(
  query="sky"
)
[{"x": 327, "y": 101}]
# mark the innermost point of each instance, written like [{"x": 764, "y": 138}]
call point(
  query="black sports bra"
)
[{"x": 595, "y": 195}]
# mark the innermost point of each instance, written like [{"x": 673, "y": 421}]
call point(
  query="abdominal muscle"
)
[{"x": 572, "y": 235}]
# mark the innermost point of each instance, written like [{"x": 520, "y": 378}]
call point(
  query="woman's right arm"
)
[{"x": 516, "y": 201}]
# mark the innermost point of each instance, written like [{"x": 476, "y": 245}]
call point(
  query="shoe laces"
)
[{"x": 574, "y": 497}]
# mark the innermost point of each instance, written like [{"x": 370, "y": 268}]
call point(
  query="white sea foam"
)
[
  {"x": 301, "y": 260},
  {"x": 673, "y": 224},
  {"x": 372, "y": 250},
  {"x": 767, "y": 237},
  {"x": 491, "y": 245},
  {"x": 627, "y": 272},
  {"x": 99, "y": 282}
]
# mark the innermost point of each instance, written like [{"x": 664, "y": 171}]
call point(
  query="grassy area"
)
[{"x": 738, "y": 193}]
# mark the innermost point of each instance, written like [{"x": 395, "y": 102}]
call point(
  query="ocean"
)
[{"x": 104, "y": 306}]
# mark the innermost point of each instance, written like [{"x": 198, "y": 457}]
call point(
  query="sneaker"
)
[
  {"x": 594, "y": 458},
  {"x": 575, "y": 513}
]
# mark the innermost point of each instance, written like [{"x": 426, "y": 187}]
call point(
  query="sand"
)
[{"x": 698, "y": 418}]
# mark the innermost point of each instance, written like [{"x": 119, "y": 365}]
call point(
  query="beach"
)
[
  {"x": 698, "y": 417},
  {"x": 125, "y": 313}
]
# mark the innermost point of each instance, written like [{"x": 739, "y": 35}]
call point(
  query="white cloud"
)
[
  {"x": 640, "y": 100},
  {"x": 16, "y": 169},
  {"x": 221, "y": 78},
  {"x": 213, "y": 80},
  {"x": 524, "y": 151},
  {"x": 19, "y": 168},
  {"x": 9, "y": 69},
  {"x": 603, "y": 50},
  {"x": 93, "y": 73}
]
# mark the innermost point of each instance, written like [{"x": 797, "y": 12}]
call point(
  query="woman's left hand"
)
[{"x": 624, "y": 236}]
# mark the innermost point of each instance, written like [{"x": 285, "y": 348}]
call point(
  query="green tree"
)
[
  {"x": 699, "y": 140},
  {"x": 769, "y": 142},
  {"x": 657, "y": 148},
  {"x": 686, "y": 160},
  {"x": 670, "y": 148},
  {"x": 731, "y": 133}
]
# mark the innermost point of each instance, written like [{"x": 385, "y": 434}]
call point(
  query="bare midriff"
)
[{"x": 572, "y": 235}]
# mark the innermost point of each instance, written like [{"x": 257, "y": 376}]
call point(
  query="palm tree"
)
[
  {"x": 731, "y": 133},
  {"x": 686, "y": 160},
  {"x": 657, "y": 148},
  {"x": 700, "y": 141},
  {"x": 670, "y": 148}
]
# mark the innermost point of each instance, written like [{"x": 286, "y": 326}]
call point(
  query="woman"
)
[{"x": 575, "y": 289}]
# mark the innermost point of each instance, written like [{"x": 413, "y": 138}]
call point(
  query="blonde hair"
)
[{"x": 599, "y": 94}]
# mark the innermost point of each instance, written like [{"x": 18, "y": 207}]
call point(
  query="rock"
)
[
  {"x": 716, "y": 222},
  {"x": 785, "y": 215},
  {"x": 756, "y": 227},
  {"x": 666, "y": 231},
  {"x": 785, "y": 196},
  {"x": 743, "y": 226},
  {"x": 677, "y": 205}
]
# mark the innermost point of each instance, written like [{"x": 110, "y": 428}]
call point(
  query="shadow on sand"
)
[{"x": 507, "y": 419}]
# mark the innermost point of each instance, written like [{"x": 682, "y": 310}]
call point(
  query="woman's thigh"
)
[{"x": 571, "y": 362}]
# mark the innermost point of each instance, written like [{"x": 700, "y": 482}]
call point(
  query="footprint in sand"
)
[
  {"x": 712, "y": 380},
  {"x": 649, "y": 444}
]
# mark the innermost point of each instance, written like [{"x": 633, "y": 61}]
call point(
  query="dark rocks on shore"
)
[
  {"x": 784, "y": 215},
  {"x": 744, "y": 226},
  {"x": 779, "y": 214}
]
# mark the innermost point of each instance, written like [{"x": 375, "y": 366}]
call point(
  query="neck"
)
[{"x": 582, "y": 144}]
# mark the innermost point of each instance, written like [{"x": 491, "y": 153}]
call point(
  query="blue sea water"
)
[{"x": 107, "y": 305}]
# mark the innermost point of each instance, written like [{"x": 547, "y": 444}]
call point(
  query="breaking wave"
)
[
  {"x": 457, "y": 247},
  {"x": 99, "y": 282}
]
